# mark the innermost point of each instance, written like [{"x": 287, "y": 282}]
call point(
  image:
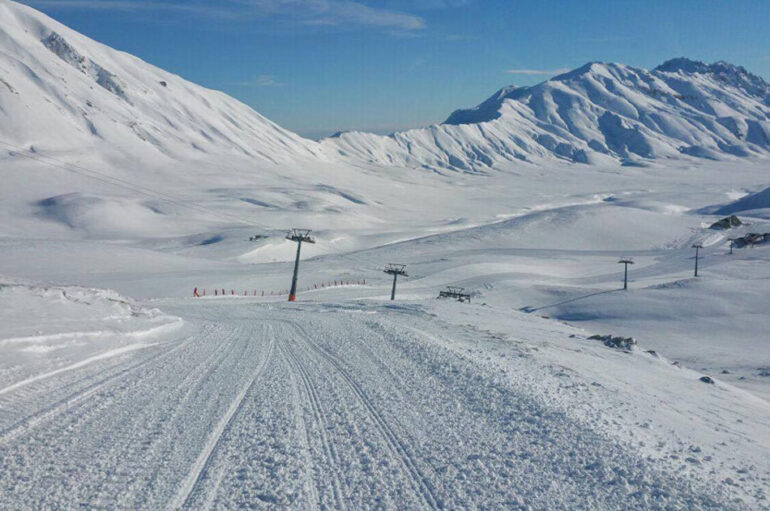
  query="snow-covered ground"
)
[
  {"x": 346, "y": 400},
  {"x": 360, "y": 405},
  {"x": 145, "y": 397},
  {"x": 48, "y": 330}
]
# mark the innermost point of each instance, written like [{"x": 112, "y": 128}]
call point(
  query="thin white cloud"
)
[
  {"x": 118, "y": 5},
  {"x": 439, "y": 4},
  {"x": 551, "y": 72},
  {"x": 260, "y": 81},
  {"x": 333, "y": 13},
  {"x": 462, "y": 37}
]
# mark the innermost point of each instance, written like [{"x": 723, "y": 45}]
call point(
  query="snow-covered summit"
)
[
  {"x": 598, "y": 112},
  {"x": 61, "y": 91},
  {"x": 730, "y": 74}
]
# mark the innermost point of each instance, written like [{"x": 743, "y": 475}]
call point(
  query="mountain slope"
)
[
  {"x": 60, "y": 90},
  {"x": 596, "y": 113}
]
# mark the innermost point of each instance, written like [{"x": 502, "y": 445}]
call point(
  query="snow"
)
[
  {"x": 750, "y": 204},
  {"x": 595, "y": 114},
  {"x": 120, "y": 390},
  {"x": 73, "y": 327},
  {"x": 498, "y": 397},
  {"x": 65, "y": 93}
]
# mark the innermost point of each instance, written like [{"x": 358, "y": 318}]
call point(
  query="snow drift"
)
[{"x": 73, "y": 326}]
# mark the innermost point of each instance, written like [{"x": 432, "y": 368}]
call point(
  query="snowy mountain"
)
[
  {"x": 596, "y": 113},
  {"x": 61, "y": 91}
]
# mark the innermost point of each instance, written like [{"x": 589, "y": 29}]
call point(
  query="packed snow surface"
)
[{"x": 357, "y": 405}]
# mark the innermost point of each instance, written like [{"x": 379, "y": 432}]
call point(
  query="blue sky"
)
[{"x": 318, "y": 66}]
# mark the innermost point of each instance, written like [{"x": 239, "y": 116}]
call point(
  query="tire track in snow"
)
[
  {"x": 101, "y": 356},
  {"x": 61, "y": 406},
  {"x": 201, "y": 464},
  {"x": 320, "y": 422},
  {"x": 304, "y": 432},
  {"x": 21, "y": 391},
  {"x": 192, "y": 381},
  {"x": 421, "y": 484}
]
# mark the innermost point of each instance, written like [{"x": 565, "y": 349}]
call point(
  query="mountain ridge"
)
[
  {"x": 597, "y": 113},
  {"x": 61, "y": 91}
]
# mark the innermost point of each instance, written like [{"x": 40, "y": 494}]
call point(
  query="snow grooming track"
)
[
  {"x": 305, "y": 435},
  {"x": 218, "y": 356},
  {"x": 486, "y": 444},
  {"x": 319, "y": 419},
  {"x": 133, "y": 441},
  {"x": 397, "y": 447},
  {"x": 62, "y": 405},
  {"x": 201, "y": 464},
  {"x": 112, "y": 353},
  {"x": 315, "y": 407}
]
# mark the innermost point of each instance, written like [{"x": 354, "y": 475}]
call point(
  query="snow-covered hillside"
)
[
  {"x": 598, "y": 113},
  {"x": 755, "y": 204},
  {"x": 61, "y": 91}
]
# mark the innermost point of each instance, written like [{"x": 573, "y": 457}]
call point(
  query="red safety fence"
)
[{"x": 198, "y": 293}]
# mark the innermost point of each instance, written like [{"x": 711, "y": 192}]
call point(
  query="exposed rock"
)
[
  {"x": 59, "y": 46},
  {"x": 617, "y": 342},
  {"x": 727, "y": 223}
]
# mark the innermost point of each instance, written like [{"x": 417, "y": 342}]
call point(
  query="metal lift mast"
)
[
  {"x": 395, "y": 270},
  {"x": 298, "y": 236},
  {"x": 697, "y": 248},
  {"x": 626, "y": 261}
]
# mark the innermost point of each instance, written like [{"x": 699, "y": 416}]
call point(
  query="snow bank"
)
[{"x": 48, "y": 329}]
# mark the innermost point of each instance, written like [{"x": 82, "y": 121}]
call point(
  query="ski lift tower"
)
[
  {"x": 626, "y": 261},
  {"x": 298, "y": 236},
  {"x": 697, "y": 248},
  {"x": 395, "y": 270}
]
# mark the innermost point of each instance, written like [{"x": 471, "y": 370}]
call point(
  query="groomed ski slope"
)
[
  {"x": 418, "y": 404},
  {"x": 322, "y": 407}
]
